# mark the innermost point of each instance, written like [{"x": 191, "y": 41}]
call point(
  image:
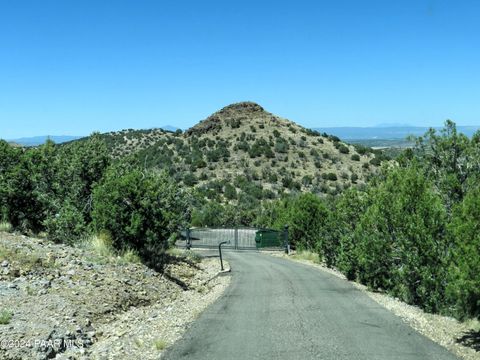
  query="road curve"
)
[{"x": 280, "y": 309}]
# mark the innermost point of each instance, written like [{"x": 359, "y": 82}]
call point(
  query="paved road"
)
[{"x": 279, "y": 309}]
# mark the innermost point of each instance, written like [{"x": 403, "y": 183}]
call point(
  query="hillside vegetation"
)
[{"x": 246, "y": 147}]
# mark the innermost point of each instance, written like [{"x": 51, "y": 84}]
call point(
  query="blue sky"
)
[{"x": 72, "y": 67}]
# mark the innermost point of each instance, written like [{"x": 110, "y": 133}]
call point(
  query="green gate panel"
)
[{"x": 265, "y": 238}]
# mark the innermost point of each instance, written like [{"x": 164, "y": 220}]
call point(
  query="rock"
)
[
  {"x": 4, "y": 263},
  {"x": 15, "y": 272},
  {"x": 70, "y": 272},
  {"x": 45, "y": 283}
]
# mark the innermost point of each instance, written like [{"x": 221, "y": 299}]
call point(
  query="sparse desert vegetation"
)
[
  {"x": 5, "y": 226},
  {"x": 5, "y": 316}
]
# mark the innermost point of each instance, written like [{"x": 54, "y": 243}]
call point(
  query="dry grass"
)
[
  {"x": 5, "y": 226},
  {"x": 160, "y": 344},
  {"x": 26, "y": 261},
  {"x": 129, "y": 256},
  {"x": 182, "y": 253},
  {"x": 102, "y": 245},
  {"x": 307, "y": 255}
]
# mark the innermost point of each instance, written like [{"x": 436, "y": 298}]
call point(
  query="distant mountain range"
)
[
  {"x": 383, "y": 132},
  {"x": 379, "y": 132},
  {"x": 38, "y": 140}
]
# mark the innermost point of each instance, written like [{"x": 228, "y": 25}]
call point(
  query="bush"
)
[
  {"x": 190, "y": 179},
  {"x": 211, "y": 214},
  {"x": 355, "y": 157},
  {"x": 5, "y": 317},
  {"x": 281, "y": 146},
  {"x": 25, "y": 205},
  {"x": 464, "y": 285},
  {"x": 343, "y": 221},
  {"x": 401, "y": 239},
  {"x": 305, "y": 215},
  {"x": 9, "y": 159},
  {"x": 361, "y": 149},
  {"x": 141, "y": 210},
  {"x": 343, "y": 149},
  {"x": 375, "y": 161},
  {"x": 67, "y": 225},
  {"x": 230, "y": 192},
  {"x": 354, "y": 178},
  {"x": 331, "y": 176}
]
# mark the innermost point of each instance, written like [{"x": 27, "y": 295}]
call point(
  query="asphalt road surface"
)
[{"x": 280, "y": 309}]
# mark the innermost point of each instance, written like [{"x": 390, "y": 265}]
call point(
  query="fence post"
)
[
  {"x": 189, "y": 242},
  {"x": 236, "y": 238},
  {"x": 285, "y": 238},
  {"x": 220, "y": 252}
]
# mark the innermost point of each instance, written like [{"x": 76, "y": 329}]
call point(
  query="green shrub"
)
[
  {"x": 355, "y": 157},
  {"x": 281, "y": 146},
  {"x": 305, "y": 214},
  {"x": 5, "y": 317},
  {"x": 343, "y": 149},
  {"x": 230, "y": 192},
  {"x": 67, "y": 225},
  {"x": 354, "y": 178},
  {"x": 141, "y": 211},
  {"x": 464, "y": 282},
  {"x": 331, "y": 176},
  {"x": 210, "y": 214},
  {"x": 341, "y": 246},
  {"x": 375, "y": 161},
  {"x": 25, "y": 205},
  {"x": 307, "y": 180},
  {"x": 190, "y": 179},
  {"x": 401, "y": 239}
]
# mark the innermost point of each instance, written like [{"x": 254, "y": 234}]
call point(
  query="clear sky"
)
[{"x": 75, "y": 66}]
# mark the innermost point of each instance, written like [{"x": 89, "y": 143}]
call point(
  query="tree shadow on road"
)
[{"x": 470, "y": 339}]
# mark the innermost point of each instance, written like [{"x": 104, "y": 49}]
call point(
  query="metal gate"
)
[{"x": 238, "y": 238}]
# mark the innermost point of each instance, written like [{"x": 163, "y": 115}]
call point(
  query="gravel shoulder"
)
[
  {"x": 58, "y": 301},
  {"x": 460, "y": 338}
]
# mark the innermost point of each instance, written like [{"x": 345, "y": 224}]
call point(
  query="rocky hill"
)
[
  {"x": 243, "y": 149},
  {"x": 67, "y": 302}
]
